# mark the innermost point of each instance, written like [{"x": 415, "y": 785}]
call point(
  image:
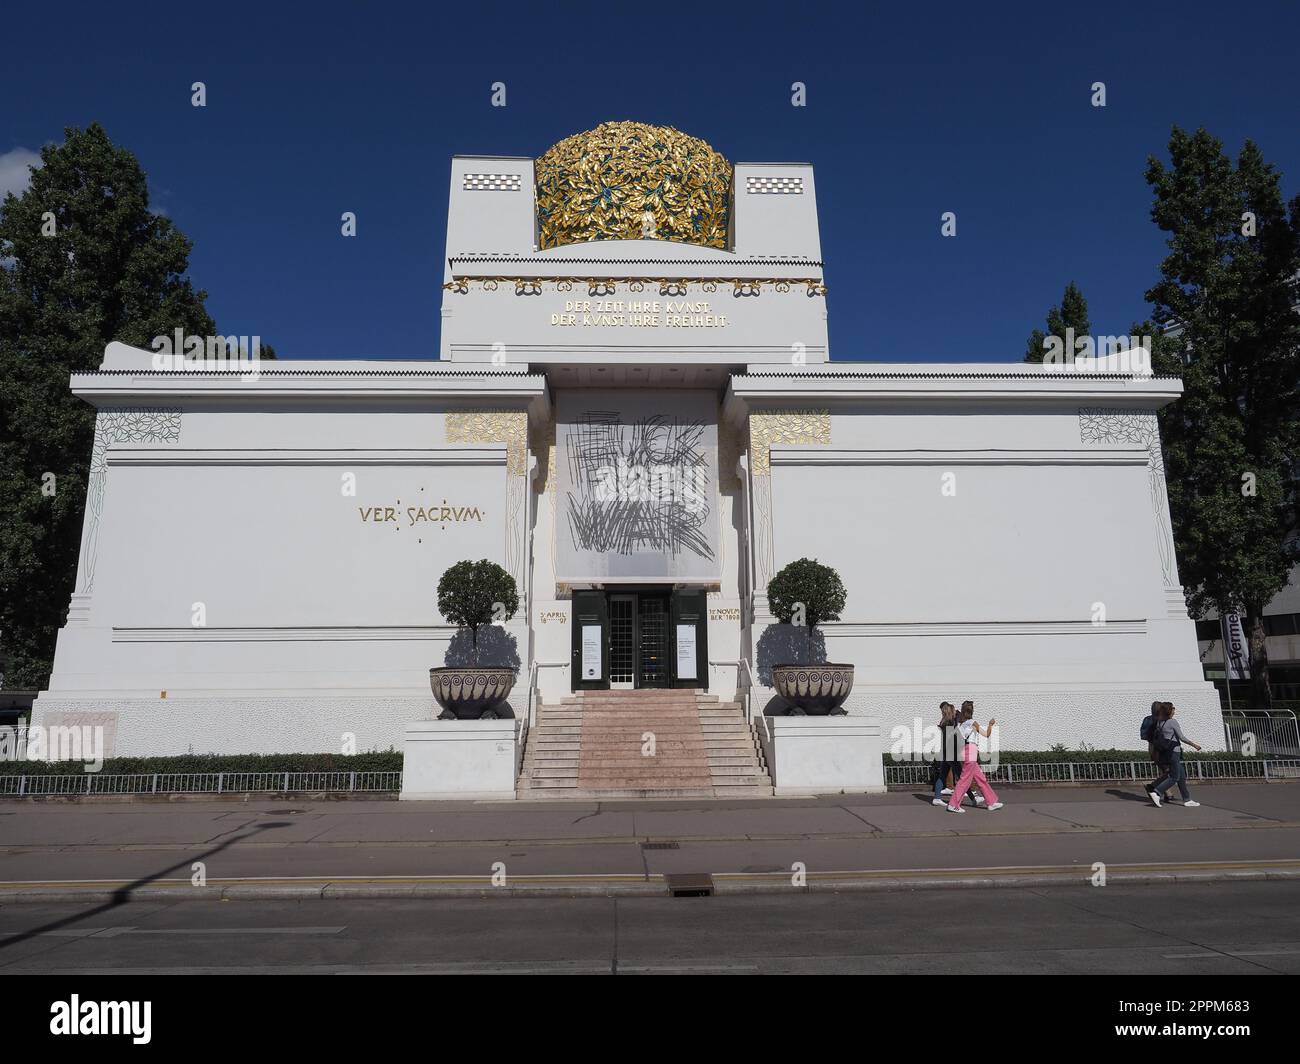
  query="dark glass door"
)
[{"x": 653, "y": 668}]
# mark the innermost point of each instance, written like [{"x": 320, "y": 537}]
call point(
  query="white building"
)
[{"x": 635, "y": 414}]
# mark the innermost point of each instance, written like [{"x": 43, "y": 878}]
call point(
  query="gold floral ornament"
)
[{"x": 600, "y": 185}]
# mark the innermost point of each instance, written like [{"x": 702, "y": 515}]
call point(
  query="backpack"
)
[
  {"x": 1163, "y": 743},
  {"x": 1148, "y": 731}
]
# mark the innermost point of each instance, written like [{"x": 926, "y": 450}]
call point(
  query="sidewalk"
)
[{"x": 388, "y": 849}]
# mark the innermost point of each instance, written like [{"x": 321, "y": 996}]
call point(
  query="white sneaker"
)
[
  {"x": 995, "y": 805},
  {"x": 979, "y": 799},
  {"x": 946, "y": 790},
  {"x": 1156, "y": 799},
  {"x": 1189, "y": 804},
  {"x": 956, "y": 809},
  {"x": 938, "y": 801}
]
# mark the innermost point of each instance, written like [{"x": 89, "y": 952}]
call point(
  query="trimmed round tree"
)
[
  {"x": 474, "y": 594},
  {"x": 805, "y": 593}
]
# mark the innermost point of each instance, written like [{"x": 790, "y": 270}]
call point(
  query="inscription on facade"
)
[
  {"x": 413, "y": 515},
  {"x": 640, "y": 314}
]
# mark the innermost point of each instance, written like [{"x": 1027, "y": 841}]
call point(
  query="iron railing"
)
[
  {"x": 1273, "y": 733},
  {"x": 915, "y": 775},
  {"x": 911, "y": 775},
  {"x": 202, "y": 783}
]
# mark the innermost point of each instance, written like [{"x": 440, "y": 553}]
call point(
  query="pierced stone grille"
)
[
  {"x": 493, "y": 182},
  {"x": 787, "y": 186}
]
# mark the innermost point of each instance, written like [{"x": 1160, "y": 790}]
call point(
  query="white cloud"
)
[{"x": 14, "y": 175}]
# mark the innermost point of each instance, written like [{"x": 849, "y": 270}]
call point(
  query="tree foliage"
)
[
  {"x": 83, "y": 262},
  {"x": 1229, "y": 290},
  {"x": 474, "y": 594},
  {"x": 808, "y": 588},
  {"x": 1072, "y": 314}
]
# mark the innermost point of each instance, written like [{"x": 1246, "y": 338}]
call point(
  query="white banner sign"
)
[
  {"x": 638, "y": 483},
  {"x": 591, "y": 648},
  {"x": 1236, "y": 656},
  {"x": 686, "y": 652}
]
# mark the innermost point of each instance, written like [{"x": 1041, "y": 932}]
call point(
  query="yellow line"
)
[{"x": 657, "y": 879}]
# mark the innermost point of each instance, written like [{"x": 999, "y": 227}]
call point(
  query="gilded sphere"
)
[{"x": 633, "y": 181}]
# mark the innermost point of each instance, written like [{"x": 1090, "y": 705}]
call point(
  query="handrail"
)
[
  {"x": 739, "y": 664},
  {"x": 532, "y": 690}
]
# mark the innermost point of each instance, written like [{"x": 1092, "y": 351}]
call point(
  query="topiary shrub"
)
[
  {"x": 804, "y": 594},
  {"x": 475, "y": 594}
]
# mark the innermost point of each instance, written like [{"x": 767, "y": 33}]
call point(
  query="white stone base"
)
[
  {"x": 269, "y": 724},
  {"x": 824, "y": 755},
  {"x": 460, "y": 759}
]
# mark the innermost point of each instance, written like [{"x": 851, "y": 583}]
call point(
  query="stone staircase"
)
[{"x": 592, "y": 745}]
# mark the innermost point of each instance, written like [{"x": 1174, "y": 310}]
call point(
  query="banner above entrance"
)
[{"x": 638, "y": 475}]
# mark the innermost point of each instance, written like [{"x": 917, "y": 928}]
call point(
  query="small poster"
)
[
  {"x": 686, "y": 652},
  {"x": 591, "y": 645}
]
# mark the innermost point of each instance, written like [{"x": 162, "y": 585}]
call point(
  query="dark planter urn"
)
[
  {"x": 468, "y": 693},
  {"x": 816, "y": 690}
]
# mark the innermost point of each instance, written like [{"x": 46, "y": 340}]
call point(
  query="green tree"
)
[
  {"x": 806, "y": 593},
  {"x": 1071, "y": 314},
  {"x": 83, "y": 261},
  {"x": 474, "y": 594},
  {"x": 1229, "y": 289}
]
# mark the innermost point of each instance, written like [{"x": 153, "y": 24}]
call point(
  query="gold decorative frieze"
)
[
  {"x": 543, "y": 444},
  {"x": 633, "y": 181},
  {"x": 785, "y": 426},
  {"x": 493, "y": 426},
  {"x": 667, "y": 286}
]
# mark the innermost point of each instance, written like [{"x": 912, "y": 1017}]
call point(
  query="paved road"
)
[
  {"x": 1227, "y": 928},
  {"x": 1066, "y": 827}
]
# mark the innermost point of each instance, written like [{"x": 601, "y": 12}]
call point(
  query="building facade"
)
[{"x": 635, "y": 413}]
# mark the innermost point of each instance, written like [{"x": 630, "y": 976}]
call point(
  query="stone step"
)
[
  {"x": 623, "y": 792},
  {"x": 726, "y": 761}
]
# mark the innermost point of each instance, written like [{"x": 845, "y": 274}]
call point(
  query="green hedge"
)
[{"x": 386, "y": 761}]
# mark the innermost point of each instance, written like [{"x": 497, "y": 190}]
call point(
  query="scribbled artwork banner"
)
[{"x": 638, "y": 476}]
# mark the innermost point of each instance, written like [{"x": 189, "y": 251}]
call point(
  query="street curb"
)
[{"x": 722, "y": 885}]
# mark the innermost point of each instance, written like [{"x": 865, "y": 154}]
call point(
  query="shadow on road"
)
[{"x": 123, "y": 894}]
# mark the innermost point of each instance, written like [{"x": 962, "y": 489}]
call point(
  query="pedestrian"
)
[
  {"x": 949, "y": 759},
  {"x": 1169, "y": 744},
  {"x": 971, "y": 772},
  {"x": 1148, "y": 732}
]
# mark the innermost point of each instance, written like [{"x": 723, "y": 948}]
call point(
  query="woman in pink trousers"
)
[{"x": 971, "y": 771}]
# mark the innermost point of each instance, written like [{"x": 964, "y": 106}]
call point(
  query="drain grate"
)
[
  {"x": 690, "y": 884},
  {"x": 661, "y": 845}
]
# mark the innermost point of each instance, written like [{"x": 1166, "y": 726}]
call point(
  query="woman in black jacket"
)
[{"x": 949, "y": 759}]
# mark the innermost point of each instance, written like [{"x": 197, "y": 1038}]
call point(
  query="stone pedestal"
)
[
  {"x": 460, "y": 759},
  {"x": 824, "y": 755}
]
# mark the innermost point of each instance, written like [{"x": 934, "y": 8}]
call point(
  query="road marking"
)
[{"x": 115, "y": 932}]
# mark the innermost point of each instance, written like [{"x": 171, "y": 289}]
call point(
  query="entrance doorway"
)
[
  {"x": 632, "y": 638},
  {"x": 638, "y": 640}
]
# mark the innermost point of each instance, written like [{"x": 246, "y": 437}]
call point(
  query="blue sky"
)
[{"x": 913, "y": 110}]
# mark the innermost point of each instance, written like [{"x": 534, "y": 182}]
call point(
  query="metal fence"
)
[
  {"x": 1273, "y": 733},
  {"x": 1107, "y": 771},
  {"x": 914, "y": 775},
  {"x": 202, "y": 783}
]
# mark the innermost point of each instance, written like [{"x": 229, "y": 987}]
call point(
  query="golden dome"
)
[{"x": 598, "y": 185}]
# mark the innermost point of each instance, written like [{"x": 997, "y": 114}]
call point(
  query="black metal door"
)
[
  {"x": 690, "y": 624},
  {"x": 590, "y": 663}
]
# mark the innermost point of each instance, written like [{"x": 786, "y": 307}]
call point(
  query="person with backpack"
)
[
  {"x": 1147, "y": 732},
  {"x": 1168, "y": 741},
  {"x": 971, "y": 772}
]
